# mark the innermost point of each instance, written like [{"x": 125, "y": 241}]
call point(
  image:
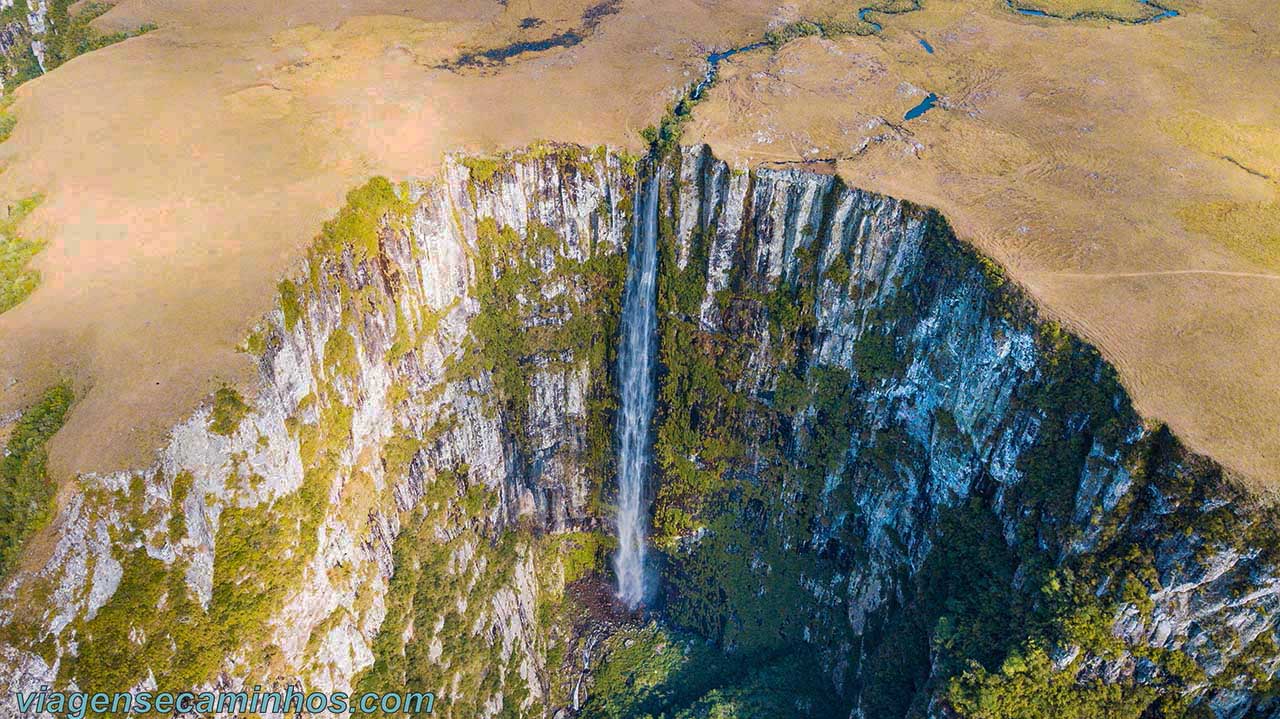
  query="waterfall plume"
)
[{"x": 636, "y": 352}]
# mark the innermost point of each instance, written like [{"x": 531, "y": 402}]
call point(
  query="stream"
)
[{"x": 1161, "y": 13}]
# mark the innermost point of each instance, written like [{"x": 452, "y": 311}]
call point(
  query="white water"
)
[{"x": 636, "y": 383}]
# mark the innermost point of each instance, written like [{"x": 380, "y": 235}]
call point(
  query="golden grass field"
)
[{"x": 1127, "y": 175}]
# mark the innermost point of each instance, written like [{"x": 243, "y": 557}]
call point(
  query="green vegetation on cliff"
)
[
  {"x": 540, "y": 309},
  {"x": 1030, "y": 687},
  {"x": 7, "y": 120},
  {"x": 26, "y": 491},
  {"x": 794, "y": 585},
  {"x": 433, "y": 605},
  {"x": 358, "y": 225},
  {"x": 228, "y": 411},
  {"x": 652, "y": 671},
  {"x": 760, "y": 492},
  {"x": 68, "y": 33},
  {"x": 434, "y": 637},
  {"x": 517, "y": 331},
  {"x": 16, "y": 281},
  {"x": 725, "y": 459},
  {"x": 533, "y": 318},
  {"x": 184, "y": 643},
  {"x": 71, "y": 33}
]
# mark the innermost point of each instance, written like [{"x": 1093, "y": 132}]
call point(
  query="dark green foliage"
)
[
  {"x": 875, "y": 356},
  {"x": 839, "y": 272},
  {"x": 67, "y": 35},
  {"x": 289, "y": 304},
  {"x": 72, "y": 35},
  {"x": 1081, "y": 401},
  {"x": 832, "y": 426},
  {"x": 656, "y": 672},
  {"x": 768, "y": 485},
  {"x": 967, "y": 590},
  {"x": 1028, "y": 687},
  {"x": 947, "y": 257},
  {"x": 963, "y": 608},
  {"x": 24, "y": 65},
  {"x": 785, "y": 34},
  {"x": 665, "y": 136},
  {"x": 724, "y": 464},
  {"x": 26, "y": 492}
]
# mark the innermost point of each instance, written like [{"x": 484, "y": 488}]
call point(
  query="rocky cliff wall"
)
[
  {"x": 260, "y": 546},
  {"x": 872, "y": 453},
  {"x": 870, "y": 441}
]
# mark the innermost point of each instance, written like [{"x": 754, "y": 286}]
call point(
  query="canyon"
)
[{"x": 872, "y": 457}]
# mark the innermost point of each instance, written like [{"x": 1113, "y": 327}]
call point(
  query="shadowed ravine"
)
[
  {"x": 860, "y": 475},
  {"x": 635, "y": 377}
]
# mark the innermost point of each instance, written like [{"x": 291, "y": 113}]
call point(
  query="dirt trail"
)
[{"x": 1162, "y": 273}]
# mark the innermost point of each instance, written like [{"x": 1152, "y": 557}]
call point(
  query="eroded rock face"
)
[
  {"x": 22, "y": 43},
  {"x": 957, "y": 404},
  {"x": 382, "y": 432},
  {"x": 851, "y": 403}
]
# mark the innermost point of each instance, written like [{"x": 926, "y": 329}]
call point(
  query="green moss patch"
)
[{"x": 16, "y": 281}]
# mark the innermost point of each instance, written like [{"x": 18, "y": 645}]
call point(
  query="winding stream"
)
[
  {"x": 713, "y": 62},
  {"x": 862, "y": 15},
  {"x": 1161, "y": 13}
]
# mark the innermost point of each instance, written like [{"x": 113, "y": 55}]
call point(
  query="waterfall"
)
[{"x": 637, "y": 348}]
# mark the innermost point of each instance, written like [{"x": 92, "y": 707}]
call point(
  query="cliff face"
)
[
  {"x": 38, "y": 35},
  {"x": 278, "y": 522},
  {"x": 22, "y": 40},
  {"x": 895, "y": 458},
  {"x": 869, "y": 448}
]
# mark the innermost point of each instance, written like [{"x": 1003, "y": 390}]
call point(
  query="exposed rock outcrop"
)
[
  {"x": 912, "y": 385},
  {"x": 375, "y": 400},
  {"x": 868, "y": 442}
]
